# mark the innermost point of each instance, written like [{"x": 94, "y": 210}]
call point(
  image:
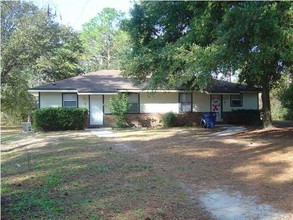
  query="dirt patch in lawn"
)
[
  {"x": 143, "y": 174},
  {"x": 76, "y": 175},
  {"x": 255, "y": 162}
]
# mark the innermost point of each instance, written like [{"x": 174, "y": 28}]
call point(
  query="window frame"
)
[
  {"x": 63, "y": 100},
  {"x": 238, "y": 99},
  {"x": 180, "y": 103},
  {"x": 138, "y": 103}
]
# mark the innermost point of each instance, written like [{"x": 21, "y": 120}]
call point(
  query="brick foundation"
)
[
  {"x": 154, "y": 119},
  {"x": 190, "y": 119}
]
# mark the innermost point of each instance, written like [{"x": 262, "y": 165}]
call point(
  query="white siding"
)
[
  {"x": 159, "y": 102},
  {"x": 249, "y": 102},
  {"x": 201, "y": 102},
  {"x": 106, "y": 103},
  {"x": 226, "y": 103},
  {"x": 83, "y": 101},
  {"x": 50, "y": 99}
]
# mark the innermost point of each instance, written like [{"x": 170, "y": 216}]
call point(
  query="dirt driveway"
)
[
  {"x": 255, "y": 166},
  {"x": 178, "y": 173}
]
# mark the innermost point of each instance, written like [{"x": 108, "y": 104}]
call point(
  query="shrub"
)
[
  {"x": 169, "y": 119},
  {"x": 119, "y": 107},
  {"x": 286, "y": 98},
  {"x": 56, "y": 119}
]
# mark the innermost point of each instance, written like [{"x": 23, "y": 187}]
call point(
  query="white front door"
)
[{"x": 96, "y": 110}]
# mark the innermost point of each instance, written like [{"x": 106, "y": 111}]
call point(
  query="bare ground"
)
[
  {"x": 141, "y": 174},
  {"x": 256, "y": 163}
]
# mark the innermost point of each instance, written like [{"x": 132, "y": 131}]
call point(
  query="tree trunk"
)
[
  {"x": 267, "y": 117},
  {"x": 108, "y": 58}
]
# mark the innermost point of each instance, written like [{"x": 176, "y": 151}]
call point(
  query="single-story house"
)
[{"x": 93, "y": 91}]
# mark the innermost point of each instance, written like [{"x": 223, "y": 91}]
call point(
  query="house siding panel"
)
[
  {"x": 50, "y": 99},
  {"x": 250, "y": 101},
  {"x": 201, "y": 102},
  {"x": 106, "y": 103},
  {"x": 159, "y": 102},
  {"x": 83, "y": 101}
]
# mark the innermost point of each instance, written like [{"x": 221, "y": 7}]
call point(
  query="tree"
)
[
  {"x": 30, "y": 36},
  {"x": 175, "y": 43},
  {"x": 103, "y": 40},
  {"x": 16, "y": 102},
  {"x": 286, "y": 98},
  {"x": 258, "y": 39},
  {"x": 119, "y": 107},
  {"x": 34, "y": 49}
]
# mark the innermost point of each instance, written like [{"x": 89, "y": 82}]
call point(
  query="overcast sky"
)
[{"x": 77, "y": 12}]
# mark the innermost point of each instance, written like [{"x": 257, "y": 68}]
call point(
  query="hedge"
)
[
  {"x": 56, "y": 119},
  {"x": 169, "y": 119}
]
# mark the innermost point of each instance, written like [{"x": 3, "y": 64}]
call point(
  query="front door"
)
[
  {"x": 216, "y": 106},
  {"x": 96, "y": 110}
]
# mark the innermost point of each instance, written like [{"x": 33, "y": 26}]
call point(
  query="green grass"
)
[
  {"x": 76, "y": 175},
  {"x": 11, "y": 136}
]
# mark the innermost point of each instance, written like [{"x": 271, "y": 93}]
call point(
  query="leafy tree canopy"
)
[
  {"x": 103, "y": 40},
  {"x": 34, "y": 50},
  {"x": 286, "y": 98},
  {"x": 177, "y": 43},
  {"x": 31, "y": 38}
]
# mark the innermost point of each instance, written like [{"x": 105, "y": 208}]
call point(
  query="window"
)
[
  {"x": 69, "y": 100},
  {"x": 133, "y": 100},
  {"x": 236, "y": 100},
  {"x": 185, "y": 102}
]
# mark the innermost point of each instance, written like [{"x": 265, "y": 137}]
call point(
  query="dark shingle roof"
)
[
  {"x": 112, "y": 81},
  {"x": 100, "y": 81},
  {"x": 228, "y": 87}
]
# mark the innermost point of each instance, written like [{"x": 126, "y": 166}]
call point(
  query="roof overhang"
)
[
  {"x": 142, "y": 90},
  {"x": 70, "y": 91},
  {"x": 222, "y": 93},
  {"x": 256, "y": 91},
  {"x": 231, "y": 93},
  {"x": 51, "y": 90},
  {"x": 97, "y": 93},
  {"x": 34, "y": 91}
]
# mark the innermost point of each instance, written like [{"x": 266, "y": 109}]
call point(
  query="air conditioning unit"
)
[{"x": 26, "y": 126}]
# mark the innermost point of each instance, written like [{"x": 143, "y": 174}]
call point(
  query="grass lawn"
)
[{"x": 144, "y": 174}]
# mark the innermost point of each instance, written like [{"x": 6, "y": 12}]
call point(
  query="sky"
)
[{"x": 77, "y": 12}]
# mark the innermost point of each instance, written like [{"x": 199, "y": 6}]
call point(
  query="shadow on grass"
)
[
  {"x": 80, "y": 176},
  {"x": 255, "y": 162},
  {"x": 76, "y": 175}
]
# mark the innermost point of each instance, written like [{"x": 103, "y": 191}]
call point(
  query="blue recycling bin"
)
[{"x": 209, "y": 120}]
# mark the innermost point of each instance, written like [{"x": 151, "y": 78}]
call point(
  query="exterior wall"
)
[
  {"x": 48, "y": 99},
  {"x": 159, "y": 102},
  {"x": 106, "y": 103},
  {"x": 155, "y": 119},
  {"x": 83, "y": 101},
  {"x": 153, "y": 107},
  {"x": 250, "y": 101},
  {"x": 201, "y": 102}
]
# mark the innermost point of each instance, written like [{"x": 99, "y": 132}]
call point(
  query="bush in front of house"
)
[
  {"x": 119, "y": 107},
  {"x": 169, "y": 119},
  {"x": 56, "y": 119}
]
